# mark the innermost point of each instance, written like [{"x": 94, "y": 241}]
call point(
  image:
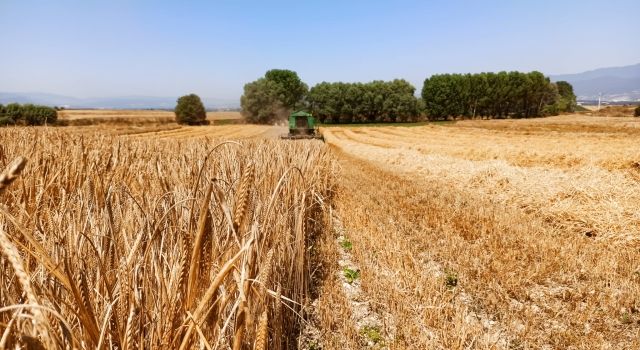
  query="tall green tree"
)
[
  {"x": 496, "y": 95},
  {"x": 290, "y": 89},
  {"x": 273, "y": 96},
  {"x": 373, "y": 102},
  {"x": 190, "y": 110},
  {"x": 567, "y": 102},
  {"x": 261, "y": 102}
]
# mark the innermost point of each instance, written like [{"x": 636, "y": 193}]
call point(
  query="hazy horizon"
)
[{"x": 154, "y": 49}]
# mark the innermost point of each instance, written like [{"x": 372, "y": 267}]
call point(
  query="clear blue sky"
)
[{"x": 168, "y": 48}]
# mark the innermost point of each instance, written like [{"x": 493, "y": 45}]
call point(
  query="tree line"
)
[
  {"x": 273, "y": 96},
  {"x": 27, "y": 114},
  {"x": 443, "y": 96},
  {"x": 374, "y": 102},
  {"x": 495, "y": 95}
]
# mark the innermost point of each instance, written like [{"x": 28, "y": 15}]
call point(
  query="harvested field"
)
[
  {"x": 613, "y": 111},
  {"x": 480, "y": 234},
  {"x": 583, "y": 182},
  {"x": 491, "y": 234}
]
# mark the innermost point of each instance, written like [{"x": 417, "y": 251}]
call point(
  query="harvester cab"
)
[{"x": 302, "y": 126}]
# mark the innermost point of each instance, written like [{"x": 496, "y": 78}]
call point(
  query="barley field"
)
[
  {"x": 116, "y": 242},
  {"x": 106, "y": 115},
  {"x": 479, "y": 234}
]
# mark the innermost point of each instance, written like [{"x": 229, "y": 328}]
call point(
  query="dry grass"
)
[
  {"x": 484, "y": 235},
  {"x": 584, "y": 183},
  {"x": 75, "y": 114},
  {"x": 614, "y": 111},
  {"x": 174, "y": 131},
  {"x": 566, "y": 124},
  {"x": 127, "y": 243},
  {"x": 161, "y": 125},
  {"x": 223, "y": 131},
  {"x": 145, "y": 119}
]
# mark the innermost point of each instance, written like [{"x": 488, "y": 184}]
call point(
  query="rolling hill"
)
[{"x": 615, "y": 83}]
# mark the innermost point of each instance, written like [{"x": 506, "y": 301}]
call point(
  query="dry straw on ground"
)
[{"x": 514, "y": 234}]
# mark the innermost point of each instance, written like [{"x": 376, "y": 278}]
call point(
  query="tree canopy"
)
[
  {"x": 260, "y": 102},
  {"x": 290, "y": 89},
  {"x": 567, "y": 100},
  {"x": 273, "y": 96},
  {"x": 27, "y": 114},
  {"x": 501, "y": 95},
  {"x": 190, "y": 110},
  {"x": 487, "y": 95},
  {"x": 376, "y": 101}
]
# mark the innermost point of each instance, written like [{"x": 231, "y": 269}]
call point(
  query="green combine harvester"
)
[{"x": 302, "y": 126}]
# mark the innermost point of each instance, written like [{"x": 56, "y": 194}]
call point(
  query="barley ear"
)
[
  {"x": 12, "y": 172},
  {"x": 40, "y": 322},
  {"x": 263, "y": 332},
  {"x": 242, "y": 200},
  {"x": 196, "y": 253},
  {"x": 264, "y": 274}
]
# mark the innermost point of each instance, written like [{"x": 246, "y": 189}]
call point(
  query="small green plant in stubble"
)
[
  {"x": 313, "y": 346},
  {"x": 372, "y": 333},
  {"x": 346, "y": 244},
  {"x": 451, "y": 279},
  {"x": 351, "y": 275}
]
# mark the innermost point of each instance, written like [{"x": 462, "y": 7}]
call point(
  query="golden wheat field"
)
[
  {"x": 480, "y": 234},
  {"x": 106, "y": 115},
  {"x": 148, "y": 243}
]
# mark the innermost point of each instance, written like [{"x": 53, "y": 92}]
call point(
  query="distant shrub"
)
[
  {"x": 28, "y": 114},
  {"x": 38, "y": 115},
  {"x": 13, "y": 110},
  {"x": 190, "y": 111},
  {"x": 636, "y": 113},
  {"x": 5, "y": 120}
]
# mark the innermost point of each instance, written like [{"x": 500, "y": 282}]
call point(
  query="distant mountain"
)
[
  {"x": 124, "y": 102},
  {"x": 615, "y": 83}
]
